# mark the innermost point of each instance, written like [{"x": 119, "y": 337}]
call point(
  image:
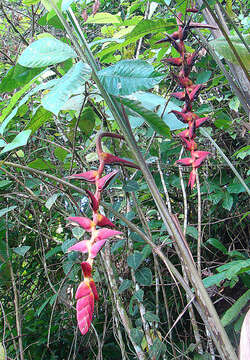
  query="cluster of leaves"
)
[{"x": 51, "y": 112}]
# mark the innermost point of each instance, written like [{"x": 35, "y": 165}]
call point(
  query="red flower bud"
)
[
  {"x": 89, "y": 176},
  {"x": 84, "y": 222},
  {"x": 115, "y": 160},
  {"x": 93, "y": 201}
]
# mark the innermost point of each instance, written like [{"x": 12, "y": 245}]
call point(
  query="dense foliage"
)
[{"x": 70, "y": 71}]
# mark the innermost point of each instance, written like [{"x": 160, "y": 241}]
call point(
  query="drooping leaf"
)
[
  {"x": 162, "y": 107},
  {"x": 228, "y": 201},
  {"x": 223, "y": 48},
  {"x": 45, "y": 52},
  {"x": 66, "y": 86},
  {"x": 21, "y": 250},
  {"x": 135, "y": 260},
  {"x": 20, "y": 140},
  {"x": 18, "y": 76},
  {"x": 152, "y": 119},
  {"x": 40, "y": 117},
  {"x": 217, "y": 244},
  {"x": 128, "y": 76},
  {"x": 125, "y": 285},
  {"x": 233, "y": 312},
  {"x": 138, "y": 295},
  {"x": 144, "y": 276}
]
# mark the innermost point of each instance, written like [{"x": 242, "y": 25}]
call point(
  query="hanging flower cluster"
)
[
  {"x": 189, "y": 92},
  {"x": 86, "y": 293}
]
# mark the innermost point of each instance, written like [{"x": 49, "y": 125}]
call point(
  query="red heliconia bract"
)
[
  {"x": 190, "y": 90},
  {"x": 86, "y": 293}
]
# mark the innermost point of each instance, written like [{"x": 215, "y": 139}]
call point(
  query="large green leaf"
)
[
  {"x": 41, "y": 117},
  {"x": 222, "y": 47},
  {"x": 135, "y": 260},
  {"x": 161, "y": 107},
  {"x": 147, "y": 26},
  {"x": 18, "y": 76},
  {"x": 150, "y": 117},
  {"x": 45, "y": 52},
  {"x": 129, "y": 76},
  {"x": 233, "y": 312},
  {"x": 69, "y": 84},
  {"x": 20, "y": 140},
  {"x": 144, "y": 276},
  {"x": 103, "y": 18}
]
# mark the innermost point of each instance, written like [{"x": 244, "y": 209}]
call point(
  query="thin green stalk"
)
[{"x": 204, "y": 132}]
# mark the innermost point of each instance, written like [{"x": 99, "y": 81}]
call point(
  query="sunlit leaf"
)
[
  {"x": 45, "y": 52},
  {"x": 20, "y": 140},
  {"x": 128, "y": 76},
  {"x": 66, "y": 86}
]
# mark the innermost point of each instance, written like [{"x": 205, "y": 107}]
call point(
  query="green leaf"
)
[
  {"x": 18, "y": 76},
  {"x": 157, "y": 104},
  {"x": 117, "y": 246},
  {"x": 21, "y": 250},
  {"x": 144, "y": 276},
  {"x": 138, "y": 295},
  {"x": 45, "y": 52},
  {"x": 66, "y": 86},
  {"x": 41, "y": 117},
  {"x": 125, "y": 285},
  {"x": 51, "y": 200},
  {"x": 30, "y": 2},
  {"x": 233, "y": 312},
  {"x": 228, "y": 201},
  {"x": 203, "y": 77},
  {"x": 192, "y": 231},
  {"x": 222, "y": 47},
  {"x": 103, "y": 18},
  {"x": 129, "y": 76},
  {"x": 20, "y": 140},
  {"x": 131, "y": 186},
  {"x": 78, "y": 232},
  {"x": 87, "y": 120},
  {"x": 149, "y": 316},
  {"x": 40, "y": 309},
  {"x": 152, "y": 119},
  {"x": 6, "y": 210},
  {"x": 217, "y": 244},
  {"x": 60, "y": 153},
  {"x": 243, "y": 152},
  {"x": 147, "y": 26},
  {"x": 136, "y": 335},
  {"x": 157, "y": 350},
  {"x": 146, "y": 251},
  {"x": 236, "y": 189},
  {"x": 41, "y": 164},
  {"x": 53, "y": 251},
  {"x": 67, "y": 244},
  {"x": 135, "y": 260}
]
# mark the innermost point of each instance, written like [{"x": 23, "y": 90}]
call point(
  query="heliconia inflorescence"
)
[
  {"x": 189, "y": 93},
  {"x": 86, "y": 293}
]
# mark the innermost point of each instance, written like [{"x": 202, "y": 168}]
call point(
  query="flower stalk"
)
[{"x": 86, "y": 293}]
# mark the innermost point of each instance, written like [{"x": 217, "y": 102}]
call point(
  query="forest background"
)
[{"x": 175, "y": 283}]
